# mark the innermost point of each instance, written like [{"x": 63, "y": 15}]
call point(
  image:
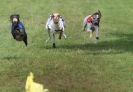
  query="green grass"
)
[{"x": 77, "y": 64}]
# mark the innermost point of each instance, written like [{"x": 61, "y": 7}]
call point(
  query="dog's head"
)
[
  {"x": 56, "y": 17},
  {"x": 14, "y": 18},
  {"x": 96, "y": 18}
]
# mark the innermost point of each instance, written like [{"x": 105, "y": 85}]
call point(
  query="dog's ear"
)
[
  {"x": 18, "y": 16},
  {"x": 11, "y": 16},
  {"x": 14, "y": 15},
  {"x": 59, "y": 16},
  {"x": 99, "y": 13},
  {"x": 52, "y": 15}
]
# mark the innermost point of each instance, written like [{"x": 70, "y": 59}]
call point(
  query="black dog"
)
[{"x": 18, "y": 29}]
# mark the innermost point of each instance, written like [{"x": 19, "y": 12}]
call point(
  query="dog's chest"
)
[{"x": 57, "y": 26}]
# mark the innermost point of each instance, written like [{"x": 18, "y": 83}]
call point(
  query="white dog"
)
[{"x": 55, "y": 24}]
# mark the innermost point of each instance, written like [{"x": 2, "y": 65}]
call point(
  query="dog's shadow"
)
[
  {"x": 10, "y": 58},
  {"x": 123, "y": 44}
]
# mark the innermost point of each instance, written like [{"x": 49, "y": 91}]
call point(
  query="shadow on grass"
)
[
  {"x": 11, "y": 58},
  {"x": 123, "y": 44}
]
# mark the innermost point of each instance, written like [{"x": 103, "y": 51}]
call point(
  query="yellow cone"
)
[{"x": 32, "y": 86}]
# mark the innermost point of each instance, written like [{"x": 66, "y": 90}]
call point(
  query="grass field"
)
[{"x": 77, "y": 64}]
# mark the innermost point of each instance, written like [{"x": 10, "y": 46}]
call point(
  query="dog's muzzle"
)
[{"x": 96, "y": 23}]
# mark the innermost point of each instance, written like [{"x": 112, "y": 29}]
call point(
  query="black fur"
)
[
  {"x": 54, "y": 46},
  {"x": 18, "y": 34},
  {"x": 97, "y": 21}
]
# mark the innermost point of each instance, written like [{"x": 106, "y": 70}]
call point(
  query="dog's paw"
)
[{"x": 97, "y": 38}]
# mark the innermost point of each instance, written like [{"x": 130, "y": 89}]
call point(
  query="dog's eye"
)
[
  {"x": 53, "y": 16},
  {"x": 94, "y": 18}
]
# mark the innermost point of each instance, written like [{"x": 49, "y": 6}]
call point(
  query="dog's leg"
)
[
  {"x": 84, "y": 27},
  {"x": 84, "y": 24},
  {"x": 60, "y": 35},
  {"x": 64, "y": 35},
  {"x": 90, "y": 31},
  {"x": 97, "y": 32},
  {"x": 53, "y": 37},
  {"x": 13, "y": 34},
  {"x": 25, "y": 39},
  {"x": 48, "y": 35},
  {"x": 54, "y": 46},
  {"x": 88, "y": 28},
  {"x": 91, "y": 34}
]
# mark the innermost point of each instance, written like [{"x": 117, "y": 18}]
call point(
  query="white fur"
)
[
  {"x": 15, "y": 19},
  {"x": 51, "y": 27}
]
